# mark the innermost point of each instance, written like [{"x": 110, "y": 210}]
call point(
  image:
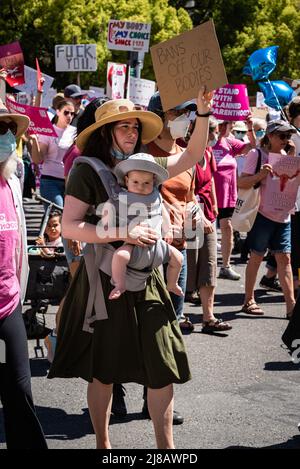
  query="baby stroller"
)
[{"x": 47, "y": 284}]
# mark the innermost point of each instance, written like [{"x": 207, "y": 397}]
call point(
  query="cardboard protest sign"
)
[
  {"x": 12, "y": 61},
  {"x": 30, "y": 85},
  {"x": 75, "y": 58},
  {"x": 282, "y": 187},
  {"x": 231, "y": 103},
  {"x": 39, "y": 120},
  {"x": 185, "y": 63},
  {"x": 127, "y": 35}
]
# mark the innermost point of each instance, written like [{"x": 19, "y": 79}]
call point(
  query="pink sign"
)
[
  {"x": 282, "y": 187},
  {"x": 39, "y": 120},
  {"x": 12, "y": 61},
  {"x": 231, "y": 103}
]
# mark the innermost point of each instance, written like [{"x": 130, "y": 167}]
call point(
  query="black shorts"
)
[{"x": 225, "y": 212}]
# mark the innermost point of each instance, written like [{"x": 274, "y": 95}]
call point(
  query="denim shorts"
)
[{"x": 266, "y": 233}]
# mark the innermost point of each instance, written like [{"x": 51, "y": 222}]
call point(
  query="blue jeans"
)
[
  {"x": 178, "y": 301},
  {"x": 53, "y": 190}
]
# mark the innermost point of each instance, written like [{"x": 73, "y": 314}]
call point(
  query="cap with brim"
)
[
  {"x": 279, "y": 126},
  {"x": 240, "y": 126},
  {"x": 189, "y": 105},
  {"x": 120, "y": 110},
  {"x": 141, "y": 162},
  {"x": 21, "y": 121}
]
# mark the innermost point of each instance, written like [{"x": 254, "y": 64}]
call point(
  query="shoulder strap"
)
[
  {"x": 258, "y": 165},
  {"x": 107, "y": 178}
]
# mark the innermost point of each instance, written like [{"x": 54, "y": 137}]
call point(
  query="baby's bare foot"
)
[
  {"x": 116, "y": 293},
  {"x": 176, "y": 289}
]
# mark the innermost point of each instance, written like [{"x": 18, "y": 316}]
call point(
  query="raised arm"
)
[{"x": 198, "y": 141}]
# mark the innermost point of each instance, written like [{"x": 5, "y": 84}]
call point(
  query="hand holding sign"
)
[{"x": 204, "y": 101}]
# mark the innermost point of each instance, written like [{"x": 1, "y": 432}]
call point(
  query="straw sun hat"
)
[
  {"x": 21, "y": 121},
  {"x": 122, "y": 109}
]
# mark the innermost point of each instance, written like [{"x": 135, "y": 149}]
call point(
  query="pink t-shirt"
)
[
  {"x": 69, "y": 157},
  {"x": 9, "y": 241},
  {"x": 56, "y": 148},
  {"x": 249, "y": 168},
  {"x": 225, "y": 152}
]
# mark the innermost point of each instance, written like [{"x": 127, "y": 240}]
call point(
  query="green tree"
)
[{"x": 40, "y": 24}]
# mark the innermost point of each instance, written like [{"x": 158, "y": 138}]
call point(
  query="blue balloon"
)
[
  {"x": 281, "y": 89},
  {"x": 261, "y": 63}
]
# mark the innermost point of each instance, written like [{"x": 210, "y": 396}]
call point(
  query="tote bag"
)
[{"x": 247, "y": 204}]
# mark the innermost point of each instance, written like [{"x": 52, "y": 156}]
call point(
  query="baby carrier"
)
[{"x": 99, "y": 256}]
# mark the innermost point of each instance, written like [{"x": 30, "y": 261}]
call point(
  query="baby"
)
[
  {"x": 141, "y": 176},
  {"x": 52, "y": 235}
]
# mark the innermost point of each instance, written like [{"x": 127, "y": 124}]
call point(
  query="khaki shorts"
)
[{"x": 202, "y": 264}]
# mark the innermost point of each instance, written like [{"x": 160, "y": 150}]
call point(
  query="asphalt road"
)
[{"x": 244, "y": 392}]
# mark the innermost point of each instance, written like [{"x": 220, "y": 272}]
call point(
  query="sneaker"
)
[
  {"x": 229, "y": 273},
  {"x": 270, "y": 284},
  {"x": 118, "y": 407},
  {"x": 219, "y": 247},
  {"x": 50, "y": 344}
]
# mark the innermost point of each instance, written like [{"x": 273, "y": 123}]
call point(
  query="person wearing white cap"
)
[
  {"x": 22, "y": 428},
  {"x": 271, "y": 229},
  {"x": 142, "y": 175}
]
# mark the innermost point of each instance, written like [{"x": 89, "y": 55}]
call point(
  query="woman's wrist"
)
[{"x": 205, "y": 114}]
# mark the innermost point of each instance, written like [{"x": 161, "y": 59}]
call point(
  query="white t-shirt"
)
[{"x": 56, "y": 148}]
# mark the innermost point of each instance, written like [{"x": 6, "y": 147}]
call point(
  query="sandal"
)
[
  {"x": 215, "y": 325},
  {"x": 186, "y": 326},
  {"x": 252, "y": 308}
]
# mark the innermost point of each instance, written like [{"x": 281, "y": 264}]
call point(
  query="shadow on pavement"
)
[
  {"x": 291, "y": 443},
  {"x": 58, "y": 425},
  {"x": 282, "y": 366}
]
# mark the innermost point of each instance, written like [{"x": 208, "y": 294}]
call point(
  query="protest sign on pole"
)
[
  {"x": 231, "y": 103},
  {"x": 39, "y": 120},
  {"x": 12, "y": 61},
  {"x": 185, "y": 63},
  {"x": 75, "y": 58},
  {"x": 282, "y": 187},
  {"x": 30, "y": 85},
  {"x": 129, "y": 36},
  {"x": 116, "y": 74},
  {"x": 140, "y": 91}
]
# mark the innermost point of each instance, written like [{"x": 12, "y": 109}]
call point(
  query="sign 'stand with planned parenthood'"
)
[
  {"x": 126, "y": 35},
  {"x": 75, "y": 58},
  {"x": 185, "y": 63}
]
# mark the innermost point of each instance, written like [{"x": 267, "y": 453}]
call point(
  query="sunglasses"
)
[
  {"x": 5, "y": 126},
  {"x": 66, "y": 113},
  {"x": 284, "y": 136}
]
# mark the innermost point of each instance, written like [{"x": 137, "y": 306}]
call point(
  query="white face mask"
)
[
  {"x": 213, "y": 142},
  {"x": 179, "y": 126}
]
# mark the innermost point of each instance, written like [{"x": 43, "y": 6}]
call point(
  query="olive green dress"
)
[{"x": 139, "y": 342}]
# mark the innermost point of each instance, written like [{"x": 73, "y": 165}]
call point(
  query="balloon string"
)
[{"x": 277, "y": 100}]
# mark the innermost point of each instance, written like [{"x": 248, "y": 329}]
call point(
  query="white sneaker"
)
[
  {"x": 219, "y": 247},
  {"x": 229, "y": 273}
]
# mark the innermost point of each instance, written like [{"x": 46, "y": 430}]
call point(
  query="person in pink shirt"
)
[
  {"x": 271, "y": 229},
  {"x": 225, "y": 150},
  {"x": 51, "y": 150},
  {"x": 22, "y": 428}
]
